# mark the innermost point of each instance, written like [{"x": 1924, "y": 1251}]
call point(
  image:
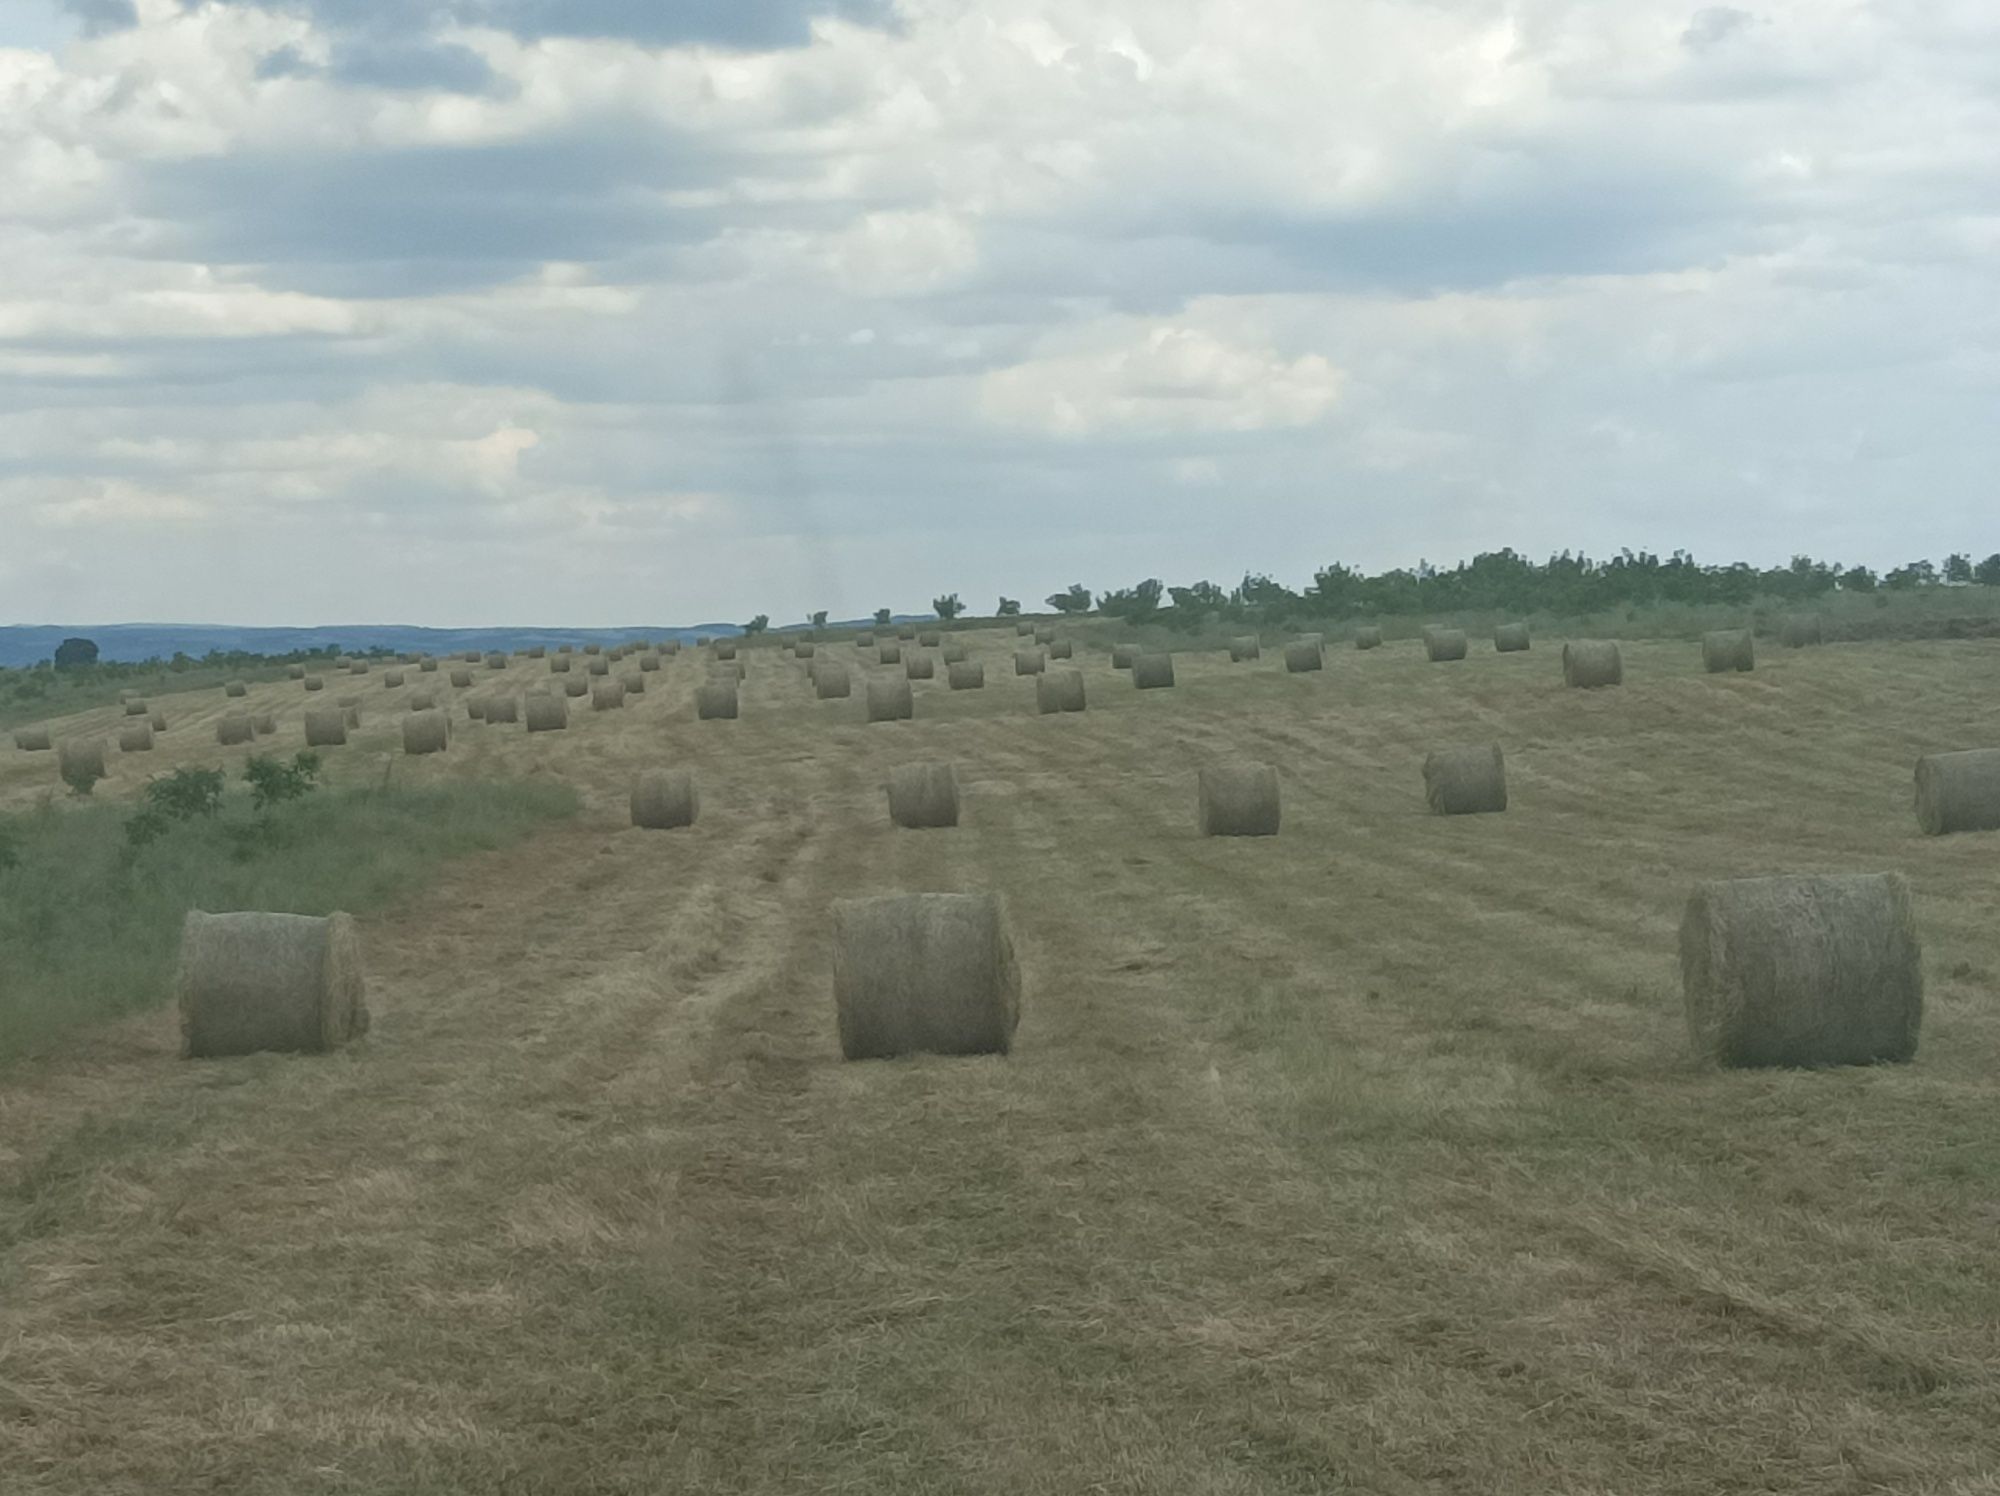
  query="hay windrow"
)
[
  {"x": 1591, "y": 663},
  {"x": 1959, "y": 791},
  {"x": 1237, "y": 800},
  {"x": 923, "y": 796},
  {"x": 251, "y": 982},
  {"x": 1466, "y": 781},
  {"x": 924, "y": 974}
]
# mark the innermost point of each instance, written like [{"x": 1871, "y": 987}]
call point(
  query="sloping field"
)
[{"x": 1367, "y": 1158}]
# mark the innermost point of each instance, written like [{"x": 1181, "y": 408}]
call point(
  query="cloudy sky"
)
[{"x": 610, "y": 311}]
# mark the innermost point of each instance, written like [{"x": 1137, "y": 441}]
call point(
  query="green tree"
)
[
  {"x": 1958, "y": 567},
  {"x": 819, "y": 619},
  {"x": 1987, "y": 572},
  {"x": 1911, "y": 574},
  {"x": 882, "y": 617},
  {"x": 1074, "y": 601},
  {"x": 1138, "y": 603},
  {"x": 74, "y": 652},
  {"x": 1858, "y": 579},
  {"x": 758, "y": 624},
  {"x": 273, "y": 783},
  {"x": 1010, "y": 607},
  {"x": 947, "y": 607}
]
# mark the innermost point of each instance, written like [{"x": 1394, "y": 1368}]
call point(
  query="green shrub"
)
[{"x": 274, "y": 783}]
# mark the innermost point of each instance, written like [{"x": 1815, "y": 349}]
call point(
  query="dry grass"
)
[{"x": 1425, "y": 1197}]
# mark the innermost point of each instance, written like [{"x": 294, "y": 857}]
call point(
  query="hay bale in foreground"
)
[
  {"x": 715, "y": 701},
  {"x": 1245, "y": 647},
  {"x": 1063, "y": 649},
  {"x": 1302, "y": 655},
  {"x": 236, "y": 688},
  {"x": 607, "y": 695},
  {"x": 547, "y": 714},
  {"x": 966, "y": 675},
  {"x": 1441, "y": 645},
  {"x": 426, "y": 732},
  {"x": 663, "y": 799},
  {"x": 1153, "y": 672},
  {"x": 919, "y": 666},
  {"x": 927, "y": 973},
  {"x": 461, "y": 679},
  {"x": 1029, "y": 662},
  {"x": 1466, "y": 781},
  {"x": 1728, "y": 649},
  {"x": 1238, "y": 800},
  {"x": 1059, "y": 691},
  {"x": 1818, "y": 969},
  {"x": 923, "y": 796},
  {"x": 502, "y": 709},
  {"x": 33, "y": 740},
  {"x": 1959, "y": 791},
  {"x": 263, "y": 723},
  {"x": 234, "y": 728},
  {"x": 831, "y": 682},
  {"x": 1368, "y": 638},
  {"x": 326, "y": 727},
  {"x": 137, "y": 737},
  {"x": 80, "y": 758},
  {"x": 891, "y": 701},
  {"x": 1797, "y": 630},
  {"x": 576, "y": 686},
  {"x": 1590, "y": 663},
  {"x": 1122, "y": 656},
  {"x": 1511, "y": 638},
  {"x": 253, "y": 982}
]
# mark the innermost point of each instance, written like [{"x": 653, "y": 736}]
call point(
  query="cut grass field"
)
[{"x": 1367, "y": 1157}]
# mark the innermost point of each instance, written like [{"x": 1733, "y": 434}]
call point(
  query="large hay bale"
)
[
  {"x": 236, "y": 688},
  {"x": 715, "y": 701},
  {"x": 136, "y": 737},
  {"x": 598, "y": 666},
  {"x": 930, "y": 973},
  {"x": 314, "y": 683},
  {"x": 663, "y": 799},
  {"x": 502, "y": 709},
  {"x": 830, "y": 681},
  {"x": 1819, "y": 969},
  {"x": 1122, "y": 656},
  {"x": 1029, "y": 662},
  {"x": 391, "y": 679},
  {"x": 461, "y": 679},
  {"x": 1590, "y": 663},
  {"x": 559, "y": 664},
  {"x": 326, "y": 727},
  {"x": 966, "y": 675},
  {"x": 234, "y": 728},
  {"x": 923, "y": 796},
  {"x": 1062, "y": 649},
  {"x": 890, "y": 701},
  {"x": 1369, "y": 637},
  {"x": 134, "y": 707},
  {"x": 1238, "y": 800},
  {"x": 80, "y": 758},
  {"x": 352, "y": 703},
  {"x": 547, "y": 713},
  {"x": 1959, "y": 791},
  {"x": 263, "y": 723},
  {"x": 33, "y": 739},
  {"x": 1441, "y": 645},
  {"x": 1511, "y": 638},
  {"x": 725, "y": 649},
  {"x": 426, "y": 732},
  {"x": 955, "y": 653},
  {"x": 649, "y": 663},
  {"x": 929, "y": 638},
  {"x": 342, "y": 663},
  {"x": 919, "y": 666},
  {"x": 1302, "y": 655},
  {"x": 607, "y": 695},
  {"x": 1245, "y": 647},
  {"x": 889, "y": 654},
  {"x": 1728, "y": 649},
  {"x": 1059, "y": 691},
  {"x": 253, "y": 982},
  {"x": 1153, "y": 672},
  {"x": 1465, "y": 781},
  {"x": 158, "y": 721},
  {"x": 576, "y": 686},
  {"x": 1797, "y": 630}
]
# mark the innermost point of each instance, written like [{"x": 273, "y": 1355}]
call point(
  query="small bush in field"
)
[
  {"x": 185, "y": 794},
  {"x": 273, "y": 783}
]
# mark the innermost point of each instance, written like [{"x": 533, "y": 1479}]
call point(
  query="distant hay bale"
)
[
  {"x": 1062, "y": 649},
  {"x": 426, "y": 732},
  {"x": 907, "y": 633},
  {"x": 664, "y": 799},
  {"x": 864, "y": 641},
  {"x": 136, "y": 737},
  {"x": 830, "y": 681},
  {"x": 1029, "y": 662},
  {"x": 598, "y": 666},
  {"x": 923, "y": 796},
  {"x": 930, "y": 973},
  {"x": 1237, "y": 800},
  {"x": 236, "y": 688},
  {"x": 234, "y": 728},
  {"x": 715, "y": 701},
  {"x": 701, "y": 641},
  {"x": 890, "y": 701},
  {"x": 889, "y": 654},
  {"x": 1245, "y": 647},
  {"x": 1818, "y": 969},
  {"x": 607, "y": 695},
  {"x": 1511, "y": 638},
  {"x": 475, "y": 709},
  {"x": 536, "y": 651},
  {"x": 80, "y": 758},
  {"x": 1797, "y": 630},
  {"x": 559, "y": 664},
  {"x": 1728, "y": 649},
  {"x": 564, "y": 649},
  {"x": 1024, "y": 630},
  {"x": 427, "y": 665},
  {"x": 576, "y": 686},
  {"x": 1122, "y": 656},
  {"x": 341, "y": 662},
  {"x": 134, "y": 707},
  {"x": 253, "y": 982},
  {"x": 670, "y": 647},
  {"x": 634, "y": 682},
  {"x": 158, "y": 722},
  {"x": 314, "y": 683},
  {"x": 33, "y": 740},
  {"x": 359, "y": 667},
  {"x": 1590, "y": 663},
  {"x": 805, "y": 649},
  {"x": 1059, "y": 691},
  {"x": 966, "y": 675},
  {"x": 1045, "y": 636},
  {"x": 1441, "y": 645},
  {"x": 263, "y": 723},
  {"x": 502, "y": 709},
  {"x": 1302, "y": 655},
  {"x": 919, "y": 666},
  {"x": 649, "y": 663},
  {"x": 461, "y": 679},
  {"x": 1368, "y": 638},
  {"x": 1466, "y": 781},
  {"x": 353, "y": 703},
  {"x": 352, "y": 714},
  {"x": 471, "y": 657},
  {"x": 929, "y": 638},
  {"x": 496, "y": 662},
  {"x": 422, "y": 701},
  {"x": 406, "y": 659},
  {"x": 725, "y": 649},
  {"x": 391, "y": 679},
  {"x": 326, "y": 727},
  {"x": 1959, "y": 791},
  {"x": 1153, "y": 672},
  {"x": 955, "y": 653},
  {"x": 595, "y": 649},
  {"x": 296, "y": 672},
  {"x": 547, "y": 713}
]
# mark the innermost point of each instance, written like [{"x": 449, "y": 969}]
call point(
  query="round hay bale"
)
[
  {"x": 607, "y": 695},
  {"x": 158, "y": 722},
  {"x": 1511, "y": 638},
  {"x": 137, "y": 737},
  {"x": 475, "y": 708},
  {"x": 359, "y": 667},
  {"x": 547, "y": 713},
  {"x": 890, "y": 701},
  {"x": 1238, "y": 800},
  {"x": 1029, "y": 662},
  {"x": 426, "y": 732},
  {"x": 1819, "y": 969},
  {"x": 352, "y": 715},
  {"x": 1368, "y": 638},
  {"x": 576, "y": 686},
  {"x": 342, "y": 662},
  {"x": 715, "y": 701},
  {"x": 889, "y": 654},
  {"x": 1465, "y": 781},
  {"x": 314, "y": 683},
  {"x": 296, "y": 672},
  {"x": 649, "y": 663},
  {"x": 352, "y": 703},
  {"x": 1959, "y": 791},
  {"x": 1122, "y": 656},
  {"x": 134, "y": 707},
  {"x": 502, "y": 709},
  {"x": 1059, "y": 691},
  {"x": 461, "y": 679},
  {"x": 1445, "y": 644},
  {"x": 1062, "y": 649},
  {"x": 954, "y": 653},
  {"x": 1153, "y": 672},
  {"x": 564, "y": 649},
  {"x": 1797, "y": 630},
  {"x": 725, "y": 649},
  {"x": 1024, "y": 630},
  {"x": 928, "y": 973},
  {"x": 326, "y": 727},
  {"x": 633, "y": 682},
  {"x": 236, "y": 688},
  {"x": 919, "y": 666},
  {"x": 1590, "y": 663},
  {"x": 598, "y": 666},
  {"x": 830, "y": 681},
  {"x": 79, "y": 758},
  {"x": 559, "y": 664},
  {"x": 406, "y": 659},
  {"x": 671, "y": 647},
  {"x": 864, "y": 640},
  {"x": 907, "y": 633},
  {"x": 422, "y": 701},
  {"x": 1728, "y": 649},
  {"x": 929, "y": 638},
  {"x": 427, "y": 665},
  {"x": 1302, "y": 655},
  {"x": 263, "y": 723},
  {"x": 391, "y": 679},
  {"x": 1245, "y": 647},
  {"x": 234, "y": 728},
  {"x": 593, "y": 649},
  {"x": 1045, "y": 636},
  {"x": 253, "y": 982},
  {"x": 805, "y": 649},
  {"x": 496, "y": 662},
  {"x": 471, "y": 657},
  {"x": 664, "y": 799},
  {"x": 923, "y": 796},
  {"x": 536, "y": 651},
  {"x": 33, "y": 739},
  {"x": 966, "y": 675}
]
